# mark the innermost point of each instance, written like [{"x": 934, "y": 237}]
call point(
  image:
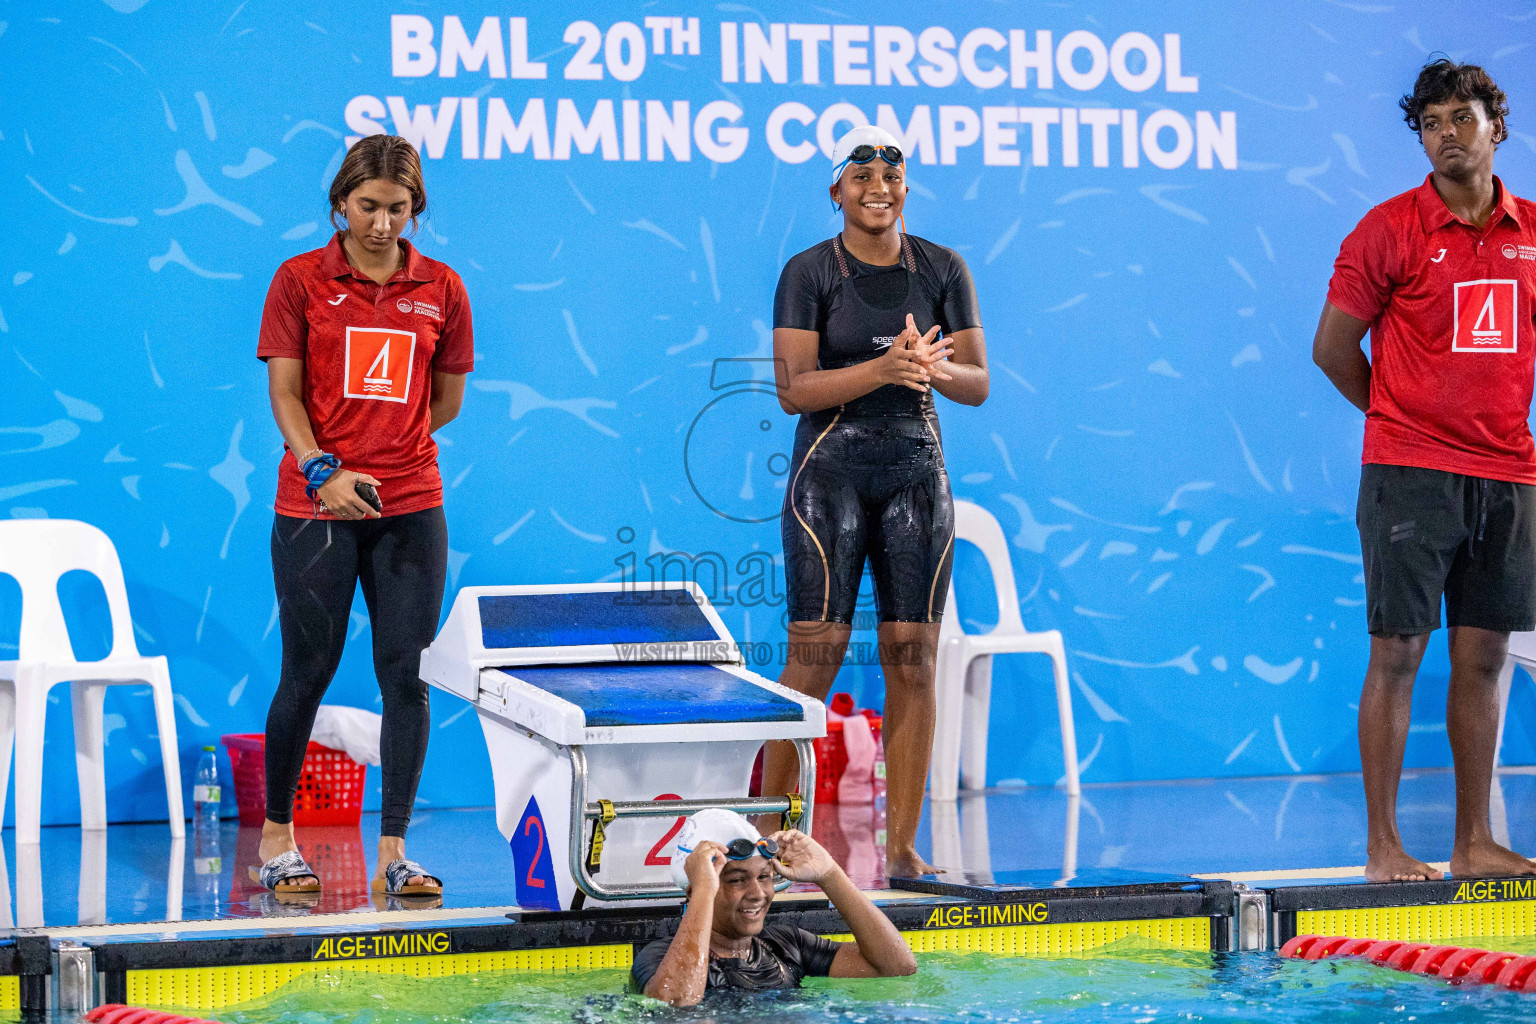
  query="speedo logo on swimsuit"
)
[{"x": 884, "y": 342}]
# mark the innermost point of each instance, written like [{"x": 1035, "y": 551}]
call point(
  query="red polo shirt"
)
[
  {"x": 1451, "y": 314},
  {"x": 369, "y": 352}
]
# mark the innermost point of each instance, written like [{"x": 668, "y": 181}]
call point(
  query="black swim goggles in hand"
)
[{"x": 741, "y": 849}]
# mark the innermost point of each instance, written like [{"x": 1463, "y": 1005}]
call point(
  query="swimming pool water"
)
[{"x": 1127, "y": 985}]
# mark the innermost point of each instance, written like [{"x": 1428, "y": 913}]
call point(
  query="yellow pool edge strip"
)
[
  {"x": 1063, "y": 939},
  {"x": 1434, "y": 922},
  {"x": 10, "y": 993},
  {"x": 215, "y": 988}
]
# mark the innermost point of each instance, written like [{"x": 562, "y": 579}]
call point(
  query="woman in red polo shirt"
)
[{"x": 366, "y": 343}]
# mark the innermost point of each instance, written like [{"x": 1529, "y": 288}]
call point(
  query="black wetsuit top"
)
[
  {"x": 867, "y": 478},
  {"x": 781, "y": 955}
]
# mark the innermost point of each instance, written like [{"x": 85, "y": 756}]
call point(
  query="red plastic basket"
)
[
  {"x": 330, "y": 786},
  {"x": 831, "y": 752}
]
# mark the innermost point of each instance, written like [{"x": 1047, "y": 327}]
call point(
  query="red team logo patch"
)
[
  {"x": 1486, "y": 316},
  {"x": 379, "y": 363}
]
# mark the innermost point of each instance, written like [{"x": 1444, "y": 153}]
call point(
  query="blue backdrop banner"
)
[{"x": 1149, "y": 197}]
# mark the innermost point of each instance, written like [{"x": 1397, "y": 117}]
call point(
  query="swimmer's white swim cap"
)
[
  {"x": 868, "y": 135},
  {"x": 715, "y": 824}
]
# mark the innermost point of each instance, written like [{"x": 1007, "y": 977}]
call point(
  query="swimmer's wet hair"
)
[
  {"x": 379, "y": 156},
  {"x": 1443, "y": 79}
]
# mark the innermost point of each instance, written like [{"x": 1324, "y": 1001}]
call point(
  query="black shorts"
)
[
  {"x": 1425, "y": 533},
  {"x": 867, "y": 489}
]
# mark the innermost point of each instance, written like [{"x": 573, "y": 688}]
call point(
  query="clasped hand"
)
[
  {"x": 913, "y": 359},
  {"x": 339, "y": 494}
]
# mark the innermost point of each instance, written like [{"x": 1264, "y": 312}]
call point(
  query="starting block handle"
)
[
  {"x": 683, "y": 808},
  {"x": 605, "y": 811}
]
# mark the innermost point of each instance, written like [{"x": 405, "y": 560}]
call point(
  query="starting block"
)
[{"x": 626, "y": 709}]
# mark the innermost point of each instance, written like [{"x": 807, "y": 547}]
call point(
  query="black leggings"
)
[{"x": 401, "y": 562}]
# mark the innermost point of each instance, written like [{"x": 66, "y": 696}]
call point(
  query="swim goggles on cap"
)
[
  {"x": 742, "y": 849},
  {"x": 865, "y": 153}
]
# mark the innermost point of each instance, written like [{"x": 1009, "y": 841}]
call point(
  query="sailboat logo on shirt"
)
[
  {"x": 375, "y": 378},
  {"x": 379, "y": 363},
  {"x": 1487, "y": 317}
]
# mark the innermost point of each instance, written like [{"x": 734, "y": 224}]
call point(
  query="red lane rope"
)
[
  {"x": 117, "y": 1013},
  {"x": 1451, "y": 963},
  {"x": 1458, "y": 963}
]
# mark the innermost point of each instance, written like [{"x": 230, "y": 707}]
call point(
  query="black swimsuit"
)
[
  {"x": 867, "y": 480},
  {"x": 780, "y": 956}
]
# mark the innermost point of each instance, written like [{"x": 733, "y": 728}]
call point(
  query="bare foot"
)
[
  {"x": 1392, "y": 864},
  {"x": 908, "y": 865},
  {"x": 1487, "y": 859}
]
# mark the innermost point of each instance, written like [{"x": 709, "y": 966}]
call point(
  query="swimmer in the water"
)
[
  {"x": 864, "y": 325},
  {"x": 725, "y": 939}
]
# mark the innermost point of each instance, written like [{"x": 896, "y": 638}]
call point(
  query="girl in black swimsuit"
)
[{"x": 864, "y": 325}]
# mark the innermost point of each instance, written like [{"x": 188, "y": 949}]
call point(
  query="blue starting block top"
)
[
  {"x": 659, "y": 694},
  {"x": 590, "y": 618}
]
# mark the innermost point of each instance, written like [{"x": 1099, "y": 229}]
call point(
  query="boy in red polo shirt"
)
[{"x": 1442, "y": 276}]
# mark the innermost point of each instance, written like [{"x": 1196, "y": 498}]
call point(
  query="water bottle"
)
[
  {"x": 205, "y": 790},
  {"x": 207, "y": 860}
]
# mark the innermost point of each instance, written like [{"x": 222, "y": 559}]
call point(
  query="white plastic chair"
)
[
  {"x": 1522, "y": 652},
  {"x": 963, "y": 675},
  {"x": 37, "y": 552}
]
